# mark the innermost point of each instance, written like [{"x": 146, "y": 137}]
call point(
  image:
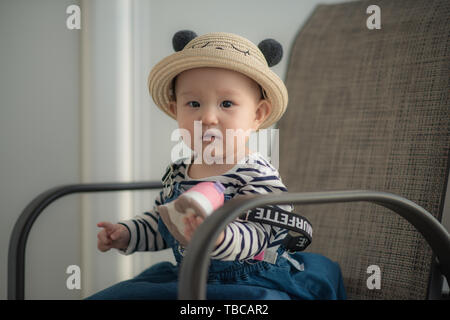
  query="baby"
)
[{"x": 221, "y": 83}]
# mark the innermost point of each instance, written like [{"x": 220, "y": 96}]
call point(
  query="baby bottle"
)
[{"x": 202, "y": 199}]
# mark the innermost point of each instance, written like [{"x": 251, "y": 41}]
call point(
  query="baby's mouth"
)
[
  {"x": 209, "y": 138},
  {"x": 211, "y": 135}
]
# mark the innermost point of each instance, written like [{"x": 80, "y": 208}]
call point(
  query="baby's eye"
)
[
  {"x": 227, "y": 104},
  {"x": 193, "y": 104}
]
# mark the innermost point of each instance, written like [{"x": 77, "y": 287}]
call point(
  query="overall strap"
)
[
  {"x": 300, "y": 235},
  {"x": 167, "y": 179}
]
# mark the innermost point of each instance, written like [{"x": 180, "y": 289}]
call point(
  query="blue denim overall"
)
[{"x": 250, "y": 280}]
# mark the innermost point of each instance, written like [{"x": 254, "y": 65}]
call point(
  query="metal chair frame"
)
[{"x": 194, "y": 268}]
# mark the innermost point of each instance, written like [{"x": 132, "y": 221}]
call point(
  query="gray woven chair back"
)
[{"x": 370, "y": 109}]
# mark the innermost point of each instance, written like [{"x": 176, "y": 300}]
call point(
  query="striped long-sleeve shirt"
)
[{"x": 243, "y": 239}]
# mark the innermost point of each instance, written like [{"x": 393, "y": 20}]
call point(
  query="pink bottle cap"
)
[{"x": 212, "y": 192}]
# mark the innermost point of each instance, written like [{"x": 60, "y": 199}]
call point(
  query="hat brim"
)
[{"x": 161, "y": 76}]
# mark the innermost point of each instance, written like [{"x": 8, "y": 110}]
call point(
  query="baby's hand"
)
[
  {"x": 112, "y": 236},
  {"x": 191, "y": 223}
]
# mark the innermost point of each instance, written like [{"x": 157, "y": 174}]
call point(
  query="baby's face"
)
[{"x": 219, "y": 102}]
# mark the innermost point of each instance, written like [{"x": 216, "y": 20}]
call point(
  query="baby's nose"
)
[{"x": 209, "y": 116}]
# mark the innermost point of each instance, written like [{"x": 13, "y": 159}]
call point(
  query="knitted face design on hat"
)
[{"x": 271, "y": 49}]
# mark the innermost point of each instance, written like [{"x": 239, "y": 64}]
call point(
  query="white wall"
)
[{"x": 39, "y": 139}]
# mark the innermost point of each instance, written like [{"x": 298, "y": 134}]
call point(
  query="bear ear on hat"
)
[
  {"x": 182, "y": 38},
  {"x": 272, "y": 51}
]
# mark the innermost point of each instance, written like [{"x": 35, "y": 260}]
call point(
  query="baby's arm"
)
[
  {"x": 140, "y": 233},
  {"x": 242, "y": 240},
  {"x": 245, "y": 239},
  {"x": 192, "y": 222},
  {"x": 112, "y": 236}
]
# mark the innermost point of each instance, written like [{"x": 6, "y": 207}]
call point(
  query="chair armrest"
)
[
  {"x": 194, "y": 268},
  {"x": 19, "y": 235}
]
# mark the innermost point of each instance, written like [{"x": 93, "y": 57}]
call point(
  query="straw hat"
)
[{"x": 221, "y": 50}]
